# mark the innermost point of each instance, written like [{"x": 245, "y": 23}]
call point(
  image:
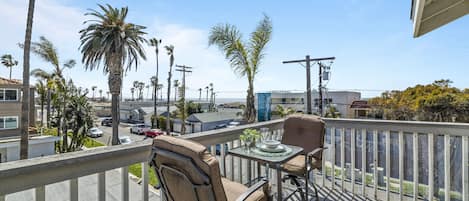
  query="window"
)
[
  {"x": 8, "y": 122},
  {"x": 8, "y": 94}
]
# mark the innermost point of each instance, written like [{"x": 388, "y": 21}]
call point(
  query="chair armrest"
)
[
  {"x": 252, "y": 189},
  {"x": 315, "y": 151}
]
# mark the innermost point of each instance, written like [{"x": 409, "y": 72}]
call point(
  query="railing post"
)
[
  {"x": 144, "y": 181},
  {"x": 74, "y": 189},
  {"x": 388, "y": 163},
  {"x": 375, "y": 164},
  {"x": 465, "y": 168},
  {"x": 401, "y": 165},
  {"x": 364, "y": 144},
  {"x": 447, "y": 159},
  {"x": 102, "y": 186},
  {"x": 125, "y": 183},
  {"x": 230, "y": 146},
  {"x": 39, "y": 191},
  {"x": 416, "y": 164},
  {"x": 430, "y": 165},
  {"x": 352, "y": 158},
  {"x": 332, "y": 158},
  {"x": 342, "y": 158},
  {"x": 222, "y": 157}
]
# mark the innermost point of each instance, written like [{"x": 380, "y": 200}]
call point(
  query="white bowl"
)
[{"x": 271, "y": 144}]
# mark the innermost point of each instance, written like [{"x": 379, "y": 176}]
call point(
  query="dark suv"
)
[{"x": 106, "y": 122}]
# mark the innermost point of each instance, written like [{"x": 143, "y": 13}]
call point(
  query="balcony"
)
[{"x": 365, "y": 159}]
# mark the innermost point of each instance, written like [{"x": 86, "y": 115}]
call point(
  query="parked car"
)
[
  {"x": 153, "y": 132},
  {"x": 95, "y": 132},
  {"x": 139, "y": 129},
  {"x": 125, "y": 140},
  {"x": 233, "y": 124},
  {"x": 106, "y": 122}
]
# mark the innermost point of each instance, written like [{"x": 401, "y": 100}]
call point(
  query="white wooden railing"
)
[{"x": 344, "y": 137}]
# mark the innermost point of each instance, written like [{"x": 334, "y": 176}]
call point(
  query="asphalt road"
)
[{"x": 123, "y": 131}]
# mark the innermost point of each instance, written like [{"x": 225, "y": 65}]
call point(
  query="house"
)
[
  {"x": 208, "y": 121},
  {"x": 360, "y": 109},
  {"x": 267, "y": 102},
  {"x": 102, "y": 109},
  {"x": 10, "y": 120}
]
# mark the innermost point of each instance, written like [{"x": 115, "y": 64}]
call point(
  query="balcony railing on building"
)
[{"x": 378, "y": 160}]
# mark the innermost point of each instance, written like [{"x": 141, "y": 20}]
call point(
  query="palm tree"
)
[
  {"x": 160, "y": 88},
  {"x": 155, "y": 88},
  {"x": 132, "y": 90},
  {"x": 100, "y": 94},
  {"x": 200, "y": 94},
  {"x": 155, "y": 43},
  {"x": 244, "y": 58},
  {"x": 50, "y": 85},
  {"x": 170, "y": 51},
  {"x": 176, "y": 86},
  {"x": 135, "y": 85},
  {"x": 140, "y": 87},
  {"x": 41, "y": 90},
  {"x": 25, "y": 102},
  {"x": 107, "y": 93},
  {"x": 9, "y": 62},
  {"x": 206, "y": 88},
  {"x": 210, "y": 105},
  {"x": 109, "y": 39},
  {"x": 93, "y": 88}
]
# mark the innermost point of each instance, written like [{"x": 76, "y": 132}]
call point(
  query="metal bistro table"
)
[{"x": 274, "y": 160}]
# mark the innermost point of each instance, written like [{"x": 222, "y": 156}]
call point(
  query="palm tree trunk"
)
[
  {"x": 168, "y": 118},
  {"x": 42, "y": 109},
  {"x": 10, "y": 71},
  {"x": 115, "y": 123},
  {"x": 155, "y": 95},
  {"x": 48, "y": 107},
  {"x": 250, "y": 111},
  {"x": 25, "y": 99}
]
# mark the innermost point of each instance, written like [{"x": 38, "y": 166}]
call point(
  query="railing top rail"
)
[
  {"x": 227, "y": 134},
  {"x": 25, "y": 174},
  {"x": 457, "y": 129}
]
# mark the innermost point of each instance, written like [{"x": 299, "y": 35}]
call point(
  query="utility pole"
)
[
  {"x": 320, "y": 108},
  {"x": 184, "y": 69},
  {"x": 308, "y": 61}
]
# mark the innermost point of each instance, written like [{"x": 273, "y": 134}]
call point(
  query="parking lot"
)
[{"x": 124, "y": 130}]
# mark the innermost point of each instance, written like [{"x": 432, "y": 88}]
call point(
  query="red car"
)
[{"x": 153, "y": 132}]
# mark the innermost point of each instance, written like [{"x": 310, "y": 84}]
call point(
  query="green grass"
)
[
  {"x": 136, "y": 169},
  {"x": 89, "y": 143}
]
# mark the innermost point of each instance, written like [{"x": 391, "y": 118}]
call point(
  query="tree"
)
[
  {"x": 132, "y": 90},
  {"x": 200, "y": 94},
  {"x": 244, "y": 58},
  {"x": 210, "y": 106},
  {"x": 101, "y": 94},
  {"x": 148, "y": 88},
  {"x": 176, "y": 86},
  {"x": 170, "y": 52},
  {"x": 160, "y": 89},
  {"x": 111, "y": 40},
  {"x": 25, "y": 102},
  {"x": 155, "y": 43},
  {"x": 206, "y": 88},
  {"x": 332, "y": 112},
  {"x": 93, "y": 88},
  {"x": 41, "y": 90},
  {"x": 43, "y": 76},
  {"x": 8, "y": 61},
  {"x": 282, "y": 111},
  {"x": 107, "y": 93},
  {"x": 135, "y": 86}
]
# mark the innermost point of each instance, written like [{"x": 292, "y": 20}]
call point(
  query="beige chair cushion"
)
[
  {"x": 234, "y": 190},
  {"x": 198, "y": 154},
  {"x": 297, "y": 166}
]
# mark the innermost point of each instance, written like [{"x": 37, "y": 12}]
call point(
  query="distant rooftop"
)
[
  {"x": 5, "y": 81},
  {"x": 214, "y": 116}
]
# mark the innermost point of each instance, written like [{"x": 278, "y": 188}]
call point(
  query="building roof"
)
[
  {"x": 213, "y": 116},
  {"x": 428, "y": 15},
  {"x": 360, "y": 104},
  {"x": 5, "y": 81}
]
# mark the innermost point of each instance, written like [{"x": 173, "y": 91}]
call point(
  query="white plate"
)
[{"x": 279, "y": 148}]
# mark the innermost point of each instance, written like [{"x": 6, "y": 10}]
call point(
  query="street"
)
[{"x": 123, "y": 131}]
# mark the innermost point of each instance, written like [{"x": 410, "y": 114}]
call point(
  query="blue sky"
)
[{"x": 372, "y": 41}]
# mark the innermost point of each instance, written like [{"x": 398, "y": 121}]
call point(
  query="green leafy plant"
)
[{"x": 250, "y": 134}]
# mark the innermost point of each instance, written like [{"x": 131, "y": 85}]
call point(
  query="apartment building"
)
[
  {"x": 10, "y": 120},
  {"x": 266, "y": 102}
]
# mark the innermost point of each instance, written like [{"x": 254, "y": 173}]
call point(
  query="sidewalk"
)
[{"x": 87, "y": 190}]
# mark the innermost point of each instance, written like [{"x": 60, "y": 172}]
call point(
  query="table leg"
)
[{"x": 279, "y": 183}]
